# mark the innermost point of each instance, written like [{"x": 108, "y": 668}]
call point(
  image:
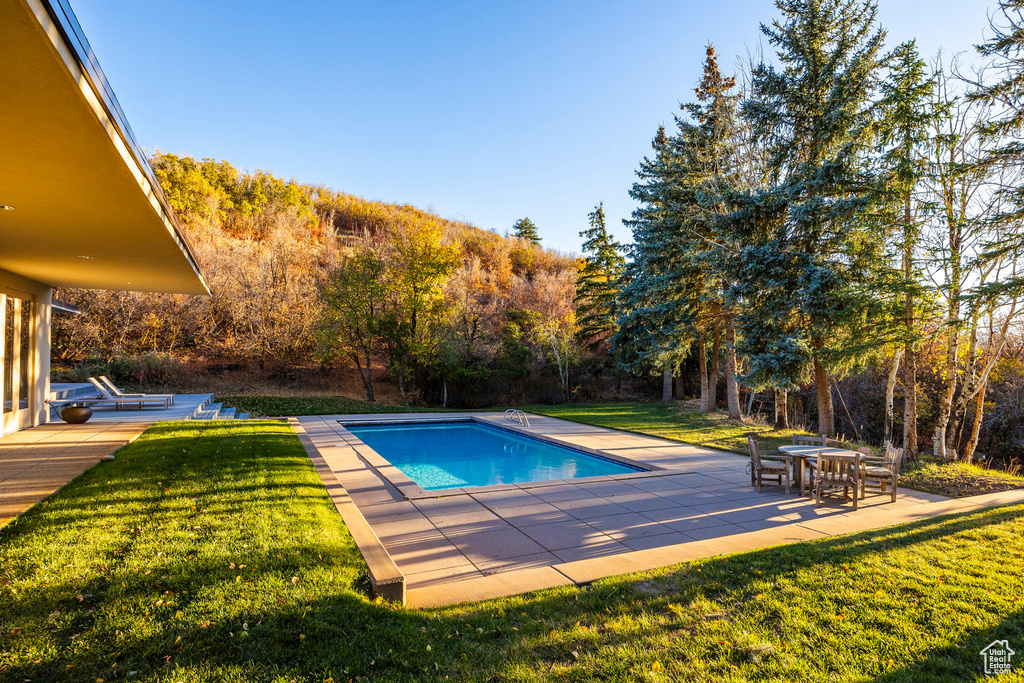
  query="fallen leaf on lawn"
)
[
  {"x": 295, "y": 579},
  {"x": 231, "y": 566},
  {"x": 656, "y": 666},
  {"x": 16, "y": 631}
]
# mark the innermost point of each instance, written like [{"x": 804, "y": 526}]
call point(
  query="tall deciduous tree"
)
[
  {"x": 814, "y": 113},
  {"x": 354, "y": 300},
  {"x": 597, "y": 284},
  {"x": 908, "y": 115}
]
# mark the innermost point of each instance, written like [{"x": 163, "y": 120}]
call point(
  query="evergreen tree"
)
[
  {"x": 652, "y": 332},
  {"x": 597, "y": 282},
  {"x": 814, "y": 250},
  {"x": 1005, "y": 50},
  {"x": 524, "y": 229},
  {"x": 907, "y": 116},
  {"x": 677, "y": 290},
  {"x": 707, "y": 175}
]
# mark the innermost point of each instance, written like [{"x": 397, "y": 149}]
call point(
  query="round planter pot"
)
[{"x": 75, "y": 415}]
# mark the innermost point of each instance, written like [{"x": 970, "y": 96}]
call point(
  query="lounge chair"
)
[
  {"x": 887, "y": 474},
  {"x": 119, "y": 394},
  {"x": 143, "y": 400},
  {"x": 773, "y": 466}
]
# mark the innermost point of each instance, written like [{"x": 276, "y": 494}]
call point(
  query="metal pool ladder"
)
[{"x": 514, "y": 415}]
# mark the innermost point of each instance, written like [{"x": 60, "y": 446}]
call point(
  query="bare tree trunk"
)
[
  {"x": 702, "y": 361},
  {"x": 716, "y": 347},
  {"x": 910, "y": 403},
  {"x": 732, "y": 390},
  {"x": 952, "y": 345},
  {"x": 826, "y": 411},
  {"x": 444, "y": 384},
  {"x": 979, "y": 411},
  {"x": 369, "y": 382},
  {"x": 666, "y": 384},
  {"x": 910, "y": 360},
  {"x": 890, "y": 389},
  {"x": 364, "y": 376},
  {"x": 781, "y": 409},
  {"x": 401, "y": 387}
]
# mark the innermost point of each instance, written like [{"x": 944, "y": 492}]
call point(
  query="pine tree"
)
[
  {"x": 708, "y": 177},
  {"x": 652, "y": 333},
  {"x": 524, "y": 229},
  {"x": 907, "y": 116},
  {"x": 814, "y": 115},
  {"x": 597, "y": 282}
]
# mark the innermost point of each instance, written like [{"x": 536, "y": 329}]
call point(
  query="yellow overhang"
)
[{"x": 88, "y": 211}]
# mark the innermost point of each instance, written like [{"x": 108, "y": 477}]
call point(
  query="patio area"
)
[
  {"x": 458, "y": 545},
  {"x": 38, "y": 461}
]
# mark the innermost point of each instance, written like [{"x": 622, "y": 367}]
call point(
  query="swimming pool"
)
[{"x": 445, "y": 455}]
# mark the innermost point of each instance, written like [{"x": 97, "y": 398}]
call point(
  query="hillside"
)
[{"x": 268, "y": 247}]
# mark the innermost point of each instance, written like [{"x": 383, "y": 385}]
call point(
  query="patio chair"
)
[
  {"x": 143, "y": 399},
  {"x": 119, "y": 394},
  {"x": 812, "y": 464},
  {"x": 887, "y": 474},
  {"x": 773, "y": 466},
  {"x": 834, "y": 472}
]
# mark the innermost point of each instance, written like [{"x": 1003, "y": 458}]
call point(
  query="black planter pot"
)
[{"x": 75, "y": 415}]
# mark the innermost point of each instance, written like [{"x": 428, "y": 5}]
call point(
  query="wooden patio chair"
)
[
  {"x": 772, "y": 466},
  {"x": 808, "y": 440},
  {"x": 886, "y": 474},
  {"x": 833, "y": 473}
]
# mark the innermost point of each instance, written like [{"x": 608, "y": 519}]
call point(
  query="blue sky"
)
[{"x": 486, "y": 112}]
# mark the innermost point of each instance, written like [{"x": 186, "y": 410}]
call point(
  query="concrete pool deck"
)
[{"x": 463, "y": 545}]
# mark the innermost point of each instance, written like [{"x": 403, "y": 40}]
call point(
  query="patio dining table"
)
[{"x": 801, "y": 454}]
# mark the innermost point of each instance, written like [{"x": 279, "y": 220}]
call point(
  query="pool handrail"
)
[{"x": 516, "y": 415}]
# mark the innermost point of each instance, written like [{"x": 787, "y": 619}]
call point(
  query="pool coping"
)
[{"x": 413, "y": 491}]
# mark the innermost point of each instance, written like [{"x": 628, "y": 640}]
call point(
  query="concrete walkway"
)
[
  {"x": 471, "y": 544},
  {"x": 38, "y": 461}
]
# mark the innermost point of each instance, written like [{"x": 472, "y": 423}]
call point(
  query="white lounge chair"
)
[
  {"x": 142, "y": 399},
  {"x": 119, "y": 394}
]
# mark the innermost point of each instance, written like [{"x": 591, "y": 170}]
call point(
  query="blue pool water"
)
[{"x": 453, "y": 454}]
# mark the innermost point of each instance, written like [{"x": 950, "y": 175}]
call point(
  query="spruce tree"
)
[
  {"x": 597, "y": 282},
  {"x": 813, "y": 112},
  {"x": 524, "y": 229},
  {"x": 652, "y": 333},
  {"x": 907, "y": 117}
]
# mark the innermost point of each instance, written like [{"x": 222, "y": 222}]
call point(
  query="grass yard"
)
[
  {"x": 211, "y": 552},
  {"x": 285, "y": 406},
  {"x": 677, "y": 422}
]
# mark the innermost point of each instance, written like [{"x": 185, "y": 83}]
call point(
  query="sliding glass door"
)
[{"x": 16, "y": 352}]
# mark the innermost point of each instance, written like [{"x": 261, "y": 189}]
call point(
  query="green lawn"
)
[
  {"x": 678, "y": 422},
  {"x": 210, "y": 551},
  {"x": 285, "y": 406}
]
